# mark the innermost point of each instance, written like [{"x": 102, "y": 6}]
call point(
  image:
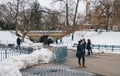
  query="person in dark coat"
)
[
  {"x": 72, "y": 37},
  {"x": 61, "y": 40},
  {"x": 89, "y": 47},
  {"x": 81, "y": 54},
  {"x": 48, "y": 41},
  {"x": 84, "y": 45},
  {"x": 18, "y": 43},
  {"x": 45, "y": 41},
  {"x": 56, "y": 42}
]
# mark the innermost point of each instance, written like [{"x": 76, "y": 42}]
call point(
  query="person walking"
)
[
  {"x": 81, "y": 54},
  {"x": 56, "y": 42},
  {"x": 45, "y": 41},
  {"x": 48, "y": 42},
  {"x": 18, "y": 43},
  {"x": 61, "y": 40},
  {"x": 89, "y": 47},
  {"x": 72, "y": 37}
]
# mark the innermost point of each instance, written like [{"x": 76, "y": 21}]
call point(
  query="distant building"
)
[{"x": 87, "y": 19}]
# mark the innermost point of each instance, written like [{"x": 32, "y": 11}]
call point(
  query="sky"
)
[
  {"x": 46, "y": 3},
  {"x": 43, "y": 55},
  {"x": 57, "y": 6},
  {"x": 50, "y": 4}
]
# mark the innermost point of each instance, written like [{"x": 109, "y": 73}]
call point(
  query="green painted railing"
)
[{"x": 59, "y": 54}]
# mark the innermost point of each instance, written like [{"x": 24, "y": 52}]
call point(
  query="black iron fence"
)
[
  {"x": 109, "y": 47},
  {"x": 7, "y": 51},
  {"x": 4, "y": 54}
]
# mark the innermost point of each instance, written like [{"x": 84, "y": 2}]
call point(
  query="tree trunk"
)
[
  {"x": 67, "y": 21},
  {"x": 16, "y": 29},
  {"x": 25, "y": 31},
  {"x": 23, "y": 35},
  {"x": 108, "y": 16},
  {"x": 16, "y": 16},
  {"x": 76, "y": 9}
]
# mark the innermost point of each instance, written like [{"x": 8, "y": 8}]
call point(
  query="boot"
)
[
  {"x": 84, "y": 66},
  {"x": 80, "y": 66}
]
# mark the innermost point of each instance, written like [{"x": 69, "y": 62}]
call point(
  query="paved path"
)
[
  {"x": 54, "y": 70},
  {"x": 97, "y": 65},
  {"x": 104, "y": 64}
]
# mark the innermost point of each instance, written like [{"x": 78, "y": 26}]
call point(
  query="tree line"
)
[{"x": 105, "y": 14}]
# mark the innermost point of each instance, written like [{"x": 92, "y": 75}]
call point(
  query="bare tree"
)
[
  {"x": 107, "y": 8},
  {"x": 116, "y": 14},
  {"x": 14, "y": 9},
  {"x": 71, "y": 11},
  {"x": 96, "y": 17},
  {"x": 20, "y": 14},
  {"x": 36, "y": 12},
  {"x": 75, "y": 14},
  {"x": 103, "y": 13},
  {"x": 66, "y": 2},
  {"x": 29, "y": 17}
]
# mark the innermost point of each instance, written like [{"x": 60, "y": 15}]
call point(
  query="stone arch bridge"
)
[{"x": 36, "y": 35}]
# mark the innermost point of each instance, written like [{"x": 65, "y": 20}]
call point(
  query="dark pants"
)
[
  {"x": 83, "y": 60},
  {"x": 18, "y": 47},
  {"x": 89, "y": 52}
]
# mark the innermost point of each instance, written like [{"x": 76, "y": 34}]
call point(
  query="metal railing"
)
[
  {"x": 4, "y": 54},
  {"x": 59, "y": 54},
  {"x": 7, "y": 51},
  {"x": 109, "y": 47}
]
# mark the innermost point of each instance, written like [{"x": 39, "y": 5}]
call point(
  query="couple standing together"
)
[{"x": 81, "y": 51}]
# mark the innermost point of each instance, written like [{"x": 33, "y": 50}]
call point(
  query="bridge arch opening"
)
[
  {"x": 43, "y": 38},
  {"x": 46, "y": 39}
]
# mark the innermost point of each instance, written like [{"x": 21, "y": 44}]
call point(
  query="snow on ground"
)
[
  {"x": 97, "y": 38},
  {"x": 9, "y": 37},
  {"x": 44, "y": 55},
  {"x": 23, "y": 61}
]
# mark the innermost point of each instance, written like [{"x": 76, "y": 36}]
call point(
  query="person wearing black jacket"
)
[
  {"x": 84, "y": 44},
  {"x": 18, "y": 43},
  {"x": 89, "y": 47},
  {"x": 81, "y": 54}
]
